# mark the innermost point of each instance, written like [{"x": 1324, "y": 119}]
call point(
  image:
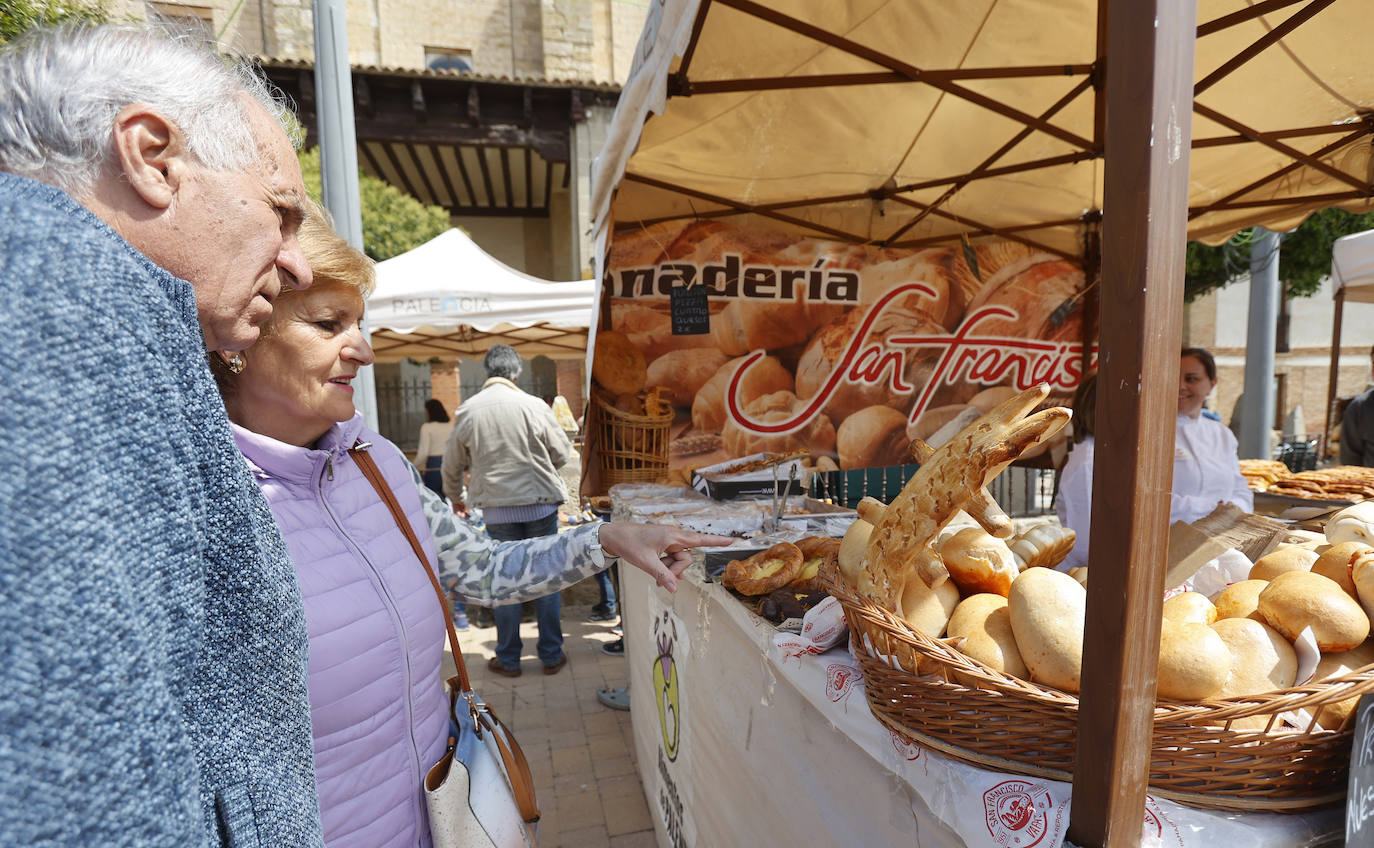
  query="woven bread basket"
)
[
  {"x": 633, "y": 448},
  {"x": 970, "y": 712}
]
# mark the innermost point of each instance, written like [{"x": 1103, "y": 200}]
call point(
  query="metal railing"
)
[{"x": 1021, "y": 492}]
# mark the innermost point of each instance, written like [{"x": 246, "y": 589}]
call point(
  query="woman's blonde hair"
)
[{"x": 334, "y": 264}]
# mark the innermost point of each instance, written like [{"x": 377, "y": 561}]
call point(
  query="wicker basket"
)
[
  {"x": 632, "y": 448},
  {"x": 962, "y": 708}
]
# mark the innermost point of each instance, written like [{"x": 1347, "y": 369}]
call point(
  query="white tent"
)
[
  {"x": 449, "y": 298},
  {"x": 1352, "y": 278}
]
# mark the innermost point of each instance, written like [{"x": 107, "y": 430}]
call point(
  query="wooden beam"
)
[
  {"x": 505, "y": 177},
  {"x": 1150, "y": 44},
  {"x": 743, "y": 207},
  {"x": 453, "y": 197},
  {"x": 689, "y": 88},
  {"x": 996, "y": 154},
  {"x": 463, "y": 172},
  {"x": 1294, "y": 21},
  {"x": 548, "y": 183},
  {"x": 1226, "y": 21},
  {"x": 984, "y": 228},
  {"x": 486, "y": 177},
  {"x": 1297, "y": 132},
  {"x": 1278, "y": 146},
  {"x": 1279, "y": 174},
  {"x": 424, "y": 175},
  {"x": 749, "y": 7},
  {"x": 402, "y": 177},
  {"x": 529, "y": 178},
  {"x": 372, "y": 160},
  {"x": 1335, "y": 370},
  {"x": 551, "y": 143},
  {"x": 1329, "y": 198},
  {"x": 691, "y": 49}
]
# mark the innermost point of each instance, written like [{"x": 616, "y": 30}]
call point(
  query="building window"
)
[
  {"x": 194, "y": 22},
  {"x": 447, "y": 59}
]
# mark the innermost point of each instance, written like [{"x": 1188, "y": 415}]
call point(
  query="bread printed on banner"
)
[
  {"x": 817, "y": 435},
  {"x": 763, "y": 377},
  {"x": 617, "y": 365}
]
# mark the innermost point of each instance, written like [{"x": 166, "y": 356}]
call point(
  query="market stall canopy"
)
[
  {"x": 449, "y": 298},
  {"x": 906, "y": 124},
  {"x": 1352, "y": 266}
]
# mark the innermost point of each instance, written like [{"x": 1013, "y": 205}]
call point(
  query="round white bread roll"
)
[
  {"x": 926, "y": 609},
  {"x": 1352, "y": 524},
  {"x": 1240, "y": 600},
  {"x": 1337, "y": 561},
  {"x": 1282, "y": 561},
  {"x": 1297, "y": 600},
  {"x": 1262, "y": 659},
  {"x": 1194, "y": 662},
  {"x": 1332, "y": 716},
  {"x": 1046, "y": 609},
  {"x": 1362, "y": 575},
  {"x": 851, "y": 555},
  {"x": 1190, "y": 606},
  {"x": 984, "y": 622},
  {"x": 979, "y": 562}
]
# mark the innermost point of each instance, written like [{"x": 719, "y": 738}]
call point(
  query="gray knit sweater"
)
[{"x": 152, "y": 642}]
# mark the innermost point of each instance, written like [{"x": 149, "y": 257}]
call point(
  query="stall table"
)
[{"x": 741, "y": 743}]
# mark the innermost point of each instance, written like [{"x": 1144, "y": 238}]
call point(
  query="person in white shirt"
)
[
  {"x": 429, "y": 456},
  {"x": 1206, "y": 465}
]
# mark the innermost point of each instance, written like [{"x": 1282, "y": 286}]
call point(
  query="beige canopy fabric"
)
[{"x": 905, "y": 124}]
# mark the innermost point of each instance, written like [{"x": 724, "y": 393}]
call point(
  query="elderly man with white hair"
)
[{"x": 152, "y": 689}]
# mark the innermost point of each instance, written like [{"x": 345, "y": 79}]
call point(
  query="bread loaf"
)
[
  {"x": 1333, "y": 716},
  {"x": 1300, "y": 599},
  {"x": 764, "y": 571},
  {"x": 1041, "y": 546},
  {"x": 1281, "y": 561},
  {"x": 1194, "y": 662},
  {"x": 763, "y": 377},
  {"x": 1261, "y": 661},
  {"x": 1190, "y": 606},
  {"x": 1240, "y": 600},
  {"x": 1046, "y": 609},
  {"x": 1362, "y": 575},
  {"x": 1337, "y": 561},
  {"x": 684, "y": 372},
  {"x": 979, "y": 562},
  {"x": 617, "y": 365},
  {"x": 926, "y": 609},
  {"x": 816, "y": 435},
  {"x": 872, "y": 437},
  {"x": 1352, "y": 524},
  {"x": 850, "y": 557},
  {"x": 984, "y": 622}
]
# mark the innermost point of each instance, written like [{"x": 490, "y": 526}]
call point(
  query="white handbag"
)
[{"x": 480, "y": 793}]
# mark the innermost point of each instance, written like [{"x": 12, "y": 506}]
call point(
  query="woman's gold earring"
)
[{"x": 234, "y": 361}]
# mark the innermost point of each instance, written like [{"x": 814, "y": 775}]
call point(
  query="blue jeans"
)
[
  {"x": 547, "y": 610},
  {"x": 603, "y": 582}
]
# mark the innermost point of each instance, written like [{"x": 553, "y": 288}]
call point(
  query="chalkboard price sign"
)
[
  {"x": 1359, "y": 802},
  {"x": 691, "y": 315}
]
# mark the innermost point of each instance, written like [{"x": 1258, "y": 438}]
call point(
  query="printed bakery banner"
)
[{"x": 771, "y": 341}]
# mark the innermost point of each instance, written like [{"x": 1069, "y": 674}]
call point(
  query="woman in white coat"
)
[{"x": 1206, "y": 465}]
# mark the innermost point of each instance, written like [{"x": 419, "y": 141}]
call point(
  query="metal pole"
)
[
  {"x": 339, "y": 153},
  {"x": 1148, "y": 132},
  {"x": 1257, "y": 415}
]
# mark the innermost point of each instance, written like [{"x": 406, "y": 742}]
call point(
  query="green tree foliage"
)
[
  {"x": 393, "y": 221},
  {"x": 1304, "y": 255},
  {"x": 17, "y": 16}
]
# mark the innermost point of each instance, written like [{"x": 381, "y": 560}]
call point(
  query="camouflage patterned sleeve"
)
[{"x": 475, "y": 568}]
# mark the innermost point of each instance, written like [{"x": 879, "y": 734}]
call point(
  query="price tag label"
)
[
  {"x": 1359, "y": 802},
  {"x": 691, "y": 315}
]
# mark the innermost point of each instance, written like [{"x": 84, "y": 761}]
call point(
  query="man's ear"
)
[{"x": 151, "y": 154}]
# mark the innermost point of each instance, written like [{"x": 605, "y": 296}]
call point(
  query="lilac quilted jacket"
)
[{"x": 377, "y": 703}]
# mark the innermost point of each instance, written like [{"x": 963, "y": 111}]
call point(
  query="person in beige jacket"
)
[{"x": 510, "y": 446}]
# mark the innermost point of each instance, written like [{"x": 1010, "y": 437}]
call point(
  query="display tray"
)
[{"x": 1295, "y": 508}]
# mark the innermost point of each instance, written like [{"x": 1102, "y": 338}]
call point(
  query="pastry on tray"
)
[{"x": 764, "y": 571}]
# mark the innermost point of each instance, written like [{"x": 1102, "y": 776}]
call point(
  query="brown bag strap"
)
[{"x": 517, "y": 768}]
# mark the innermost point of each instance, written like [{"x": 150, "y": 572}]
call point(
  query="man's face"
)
[{"x": 235, "y": 237}]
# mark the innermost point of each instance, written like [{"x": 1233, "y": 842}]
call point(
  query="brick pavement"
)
[{"x": 581, "y": 754}]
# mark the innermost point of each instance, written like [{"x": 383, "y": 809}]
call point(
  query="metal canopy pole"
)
[
  {"x": 1257, "y": 413},
  {"x": 1149, "y": 87},
  {"x": 339, "y": 153}
]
